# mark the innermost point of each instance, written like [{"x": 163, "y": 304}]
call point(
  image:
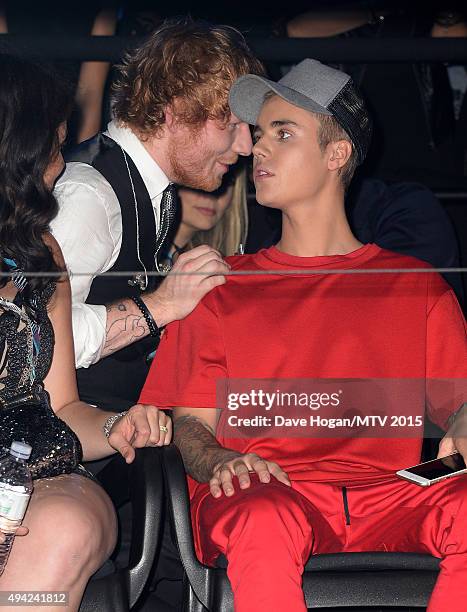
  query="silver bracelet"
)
[{"x": 107, "y": 426}]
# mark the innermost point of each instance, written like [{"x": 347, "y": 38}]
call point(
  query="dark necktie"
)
[{"x": 168, "y": 214}]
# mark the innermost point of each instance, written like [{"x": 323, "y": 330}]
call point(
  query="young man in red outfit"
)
[{"x": 319, "y": 305}]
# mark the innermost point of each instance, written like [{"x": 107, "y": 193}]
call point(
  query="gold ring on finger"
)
[{"x": 163, "y": 428}]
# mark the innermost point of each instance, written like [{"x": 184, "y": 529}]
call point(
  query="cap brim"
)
[{"x": 247, "y": 97}]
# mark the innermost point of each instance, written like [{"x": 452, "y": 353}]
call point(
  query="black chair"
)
[
  {"x": 347, "y": 581},
  {"x": 141, "y": 483}
]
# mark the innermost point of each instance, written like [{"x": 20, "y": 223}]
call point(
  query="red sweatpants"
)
[{"x": 267, "y": 533}]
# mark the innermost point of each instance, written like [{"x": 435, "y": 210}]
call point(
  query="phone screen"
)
[{"x": 439, "y": 467}]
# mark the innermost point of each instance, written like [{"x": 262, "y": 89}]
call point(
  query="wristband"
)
[
  {"x": 110, "y": 422},
  {"x": 154, "y": 330}
]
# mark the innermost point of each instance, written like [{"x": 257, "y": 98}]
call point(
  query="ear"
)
[{"x": 339, "y": 154}]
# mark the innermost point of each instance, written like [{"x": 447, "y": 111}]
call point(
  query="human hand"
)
[
  {"x": 21, "y": 531},
  {"x": 455, "y": 439},
  {"x": 141, "y": 426},
  {"x": 179, "y": 293},
  {"x": 241, "y": 467}
]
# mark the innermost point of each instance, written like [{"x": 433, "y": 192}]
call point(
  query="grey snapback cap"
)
[{"x": 313, "y": 86}]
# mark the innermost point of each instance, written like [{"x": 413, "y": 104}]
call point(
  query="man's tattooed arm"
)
[
  {"x": 125, "y": 324},
  {"x": 200, "y": 450}
]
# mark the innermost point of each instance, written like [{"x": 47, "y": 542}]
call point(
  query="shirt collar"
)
[{"x": 153, "y": 176}]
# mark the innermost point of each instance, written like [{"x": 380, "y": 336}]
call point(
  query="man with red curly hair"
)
[{"x": 172, "y": 124}]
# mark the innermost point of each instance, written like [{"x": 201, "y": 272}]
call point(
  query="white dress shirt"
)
[{"x": 88, "y": 228}]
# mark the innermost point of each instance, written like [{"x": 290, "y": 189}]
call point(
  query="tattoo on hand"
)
[
  {"x": 123, "y": 330},
  {"x": 200, "y": 450},
  {"x": 121, "y": 307}
]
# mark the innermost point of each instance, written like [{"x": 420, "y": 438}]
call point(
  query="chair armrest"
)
[
  {"x": 114, "y": 477},
  {"x": 146, "y": 488},
  {"x": 141, "y": 482},
  {"x": 179, "y": 507}
]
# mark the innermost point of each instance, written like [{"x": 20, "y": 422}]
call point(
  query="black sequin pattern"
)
[{"x": 25, "y": 411}]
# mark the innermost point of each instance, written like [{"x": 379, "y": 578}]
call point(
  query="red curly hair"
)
[{"x": 188, "y": 64}]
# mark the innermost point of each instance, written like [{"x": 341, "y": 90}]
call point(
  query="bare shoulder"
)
[{"x": 53, "y": 245}]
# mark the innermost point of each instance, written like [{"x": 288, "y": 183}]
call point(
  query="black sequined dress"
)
[
  {"x": 15, "y": 369},
  {"x": 26, "y": 350}
]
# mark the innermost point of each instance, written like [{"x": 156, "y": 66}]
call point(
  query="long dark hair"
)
[{"x": 33, "y": 104}]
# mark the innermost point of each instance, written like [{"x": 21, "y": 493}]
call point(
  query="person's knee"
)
[
  {"x": 272, "y": 506},
  {"x": 85, "y": 536},
  {"x": 76, "y": 536},
  {"x": 271, "y": 526}
]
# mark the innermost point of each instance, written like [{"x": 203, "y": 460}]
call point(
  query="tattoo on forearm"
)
[
  {"x": 200, "y": 450},
  {"x": 123, "y": 328}
]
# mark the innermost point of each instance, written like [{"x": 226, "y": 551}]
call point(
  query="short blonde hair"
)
[{"x": 188, "y": 64}]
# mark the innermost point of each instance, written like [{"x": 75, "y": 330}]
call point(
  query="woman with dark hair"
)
[{"x": 70, "y": 519}]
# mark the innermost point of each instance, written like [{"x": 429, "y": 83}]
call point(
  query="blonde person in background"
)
[{"x": 218, "y": 219}]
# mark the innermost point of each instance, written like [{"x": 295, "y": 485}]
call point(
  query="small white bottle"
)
[{"x": 15, "y": 492}]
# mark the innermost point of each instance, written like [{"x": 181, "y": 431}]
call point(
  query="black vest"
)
[{"x": 114, "y": 383}]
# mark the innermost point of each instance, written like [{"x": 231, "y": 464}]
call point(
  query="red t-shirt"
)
[{"x": 318, "y": 326}]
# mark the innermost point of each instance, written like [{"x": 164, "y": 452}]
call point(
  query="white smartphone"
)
[{"x": 425, "y": 474}]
